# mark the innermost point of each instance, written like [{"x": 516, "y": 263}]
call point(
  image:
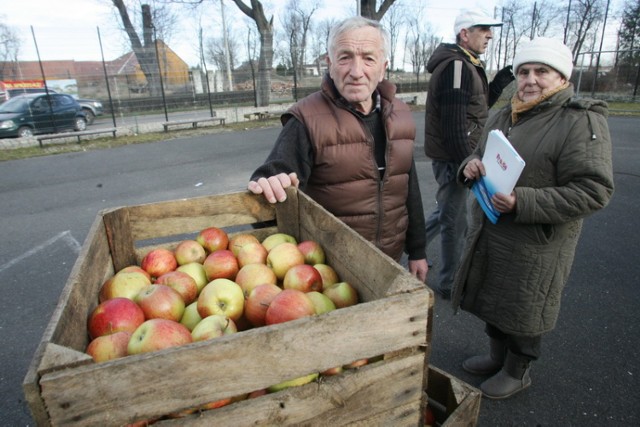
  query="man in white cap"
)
[{"x": 458, "y": 101}]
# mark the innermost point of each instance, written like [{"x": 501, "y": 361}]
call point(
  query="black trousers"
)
[{"x": 526, "y": 346}]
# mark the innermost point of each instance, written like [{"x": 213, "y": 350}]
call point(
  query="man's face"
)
[
  {"x": 535, "y": 80},
  {"x": 358, "y": 66},
  {"x": 476, "y": 39}
]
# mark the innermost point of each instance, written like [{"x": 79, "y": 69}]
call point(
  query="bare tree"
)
[
  {"x": 9, "y": 45},
  {"x": 584, "y": 18},
  {"x": 394, "y": 21},
  {"x": 320, "y": 41},
  {"x": 368, "y": 8},
  {"x": 296, "y": 24},
  {"x": 145, "y": 49},
  {"x": 265, "y": 61}
]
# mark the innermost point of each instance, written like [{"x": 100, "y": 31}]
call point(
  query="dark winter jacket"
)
[{"x": 512, "y": 273}]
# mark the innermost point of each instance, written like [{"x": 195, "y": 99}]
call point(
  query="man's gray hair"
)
[{"x": 355, "y": 23}]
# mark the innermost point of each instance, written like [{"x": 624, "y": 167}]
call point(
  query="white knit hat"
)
[
  {"x": 472, "y": 18},
  {"x": 547, "y": 51}
]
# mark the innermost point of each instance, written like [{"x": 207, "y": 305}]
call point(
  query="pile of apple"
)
[{"x": 211, "y": 286}]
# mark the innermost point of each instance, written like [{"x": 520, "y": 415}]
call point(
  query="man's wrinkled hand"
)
[{"x": 273, "y": 188}]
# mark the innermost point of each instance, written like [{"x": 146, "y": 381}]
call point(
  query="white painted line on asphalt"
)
[{"x": 65, "y": 236}]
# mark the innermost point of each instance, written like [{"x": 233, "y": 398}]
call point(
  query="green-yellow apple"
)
[
  {"x": 328, "y": 273},
  {"x": 312, "y": 251},
  {"x": 290, "y": 304},
  {"x": 257, "y": 303},
  {"x": 252, "y": 275},
  {"x": 237, "y": 241},
  {"x": 158, "y": 334},
  {"x": 189, "y": 251},
  {"x": 293, "y": 383},
  {"x": 252, "y": 253},
  {"x": 273, "y": 240},
  {"x": 114, "y": 315},
  {"x": 191, "y": 317},
  {"x": 109, "y": 347},
  {"x": 303, "y": 277},
  {"x": 321, "y": 302},
  {"x": 284, "y": 256},
  {"x": 159, "y": 261},
  {"x": 221, "y": 296},
  {"x": 221, "y": 264},
  {"x": 160, "y": 302},
  {"x": 195, "y": 270},
  {"x": 213, "y": 239},
  {"x": 212, "y": 327},
  {"x": 342, "y": 294},
  {"x": 182, "y": 283},
  {"x": 124, "y": 285}
]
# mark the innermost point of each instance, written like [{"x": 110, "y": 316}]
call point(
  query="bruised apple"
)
[
  {"x": 109, "y": 347},
  {"x": 303, "y": 277},
  {"x": 258, "y": 301},
  {"x": 252, "y": 253},
  {"x": 237, "y": 241},
  {"x": 189, "y": 251}
]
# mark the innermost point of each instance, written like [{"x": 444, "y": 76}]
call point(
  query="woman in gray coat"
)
[{"x": 513, "y": 272}]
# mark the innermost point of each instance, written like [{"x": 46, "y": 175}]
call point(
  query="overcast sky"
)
[{"x": 68, "y": 29}]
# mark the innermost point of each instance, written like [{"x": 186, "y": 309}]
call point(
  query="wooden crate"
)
[
  {"x": 454, "y": 403},
  {"x": 64, "y": 386}
]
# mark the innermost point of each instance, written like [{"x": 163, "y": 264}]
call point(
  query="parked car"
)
[
  {"x": 27, "y": 115},
  {"x": 91, "y": 107}
]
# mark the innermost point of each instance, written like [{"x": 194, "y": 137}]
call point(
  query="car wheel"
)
[
  {"x": 90, "y": 116},
  {"x": 25, "y": 132},
  {"x": 80, "y": 124}
]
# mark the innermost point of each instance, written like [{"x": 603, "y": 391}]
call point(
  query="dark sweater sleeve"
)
[
  {"x": 454, "y": 97},
  {"x": 292, "y": 152},
  {"x": 416, "y": 238}
]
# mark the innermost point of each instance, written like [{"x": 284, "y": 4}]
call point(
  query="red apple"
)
[
  {"x": 237, "y": 241},
  {"x": 321, "y": 302},
  {"x": 329, "y": 275},
  {"x": 356, "y": 364},
  {"x": 252, "y": 253},
  {"x": 302, "y": 277},
  {"x": 182, "y": 283},
  {"x": 221, "y": 264},
  {"x": 221, "y": 296},
  {"x": 189, "y": 251},
  {"x": 290, "y": 304},
  {"x": 213, "y": 239},
  {"x": 216, "y": 404},
  {"x": 342, "y": 294},
  {"x": 257, "y": 393},
  {"x": 135, "y": 268},
  {"x": 337, "y": 370},
  {"x": 114, "y": 315},
  {"x": 252, "y": 275},
  {"x": 123, "y": 285},
  {"x": 195, "y": 270},
  {"x": 109, "y": 347},
  {"x": 158, "y": 334},
  {"x": 161, "y": 302},
  {"x": 273, "y": 240},
  {"x": 257, "y": 303},
  {"x": 212, "y": 327},
  {"x": 159, "y": 261},
  {"x": 284, "y": 256},
  {"x": 191, "y": 317},
  {"x": 312, "y": 251}
]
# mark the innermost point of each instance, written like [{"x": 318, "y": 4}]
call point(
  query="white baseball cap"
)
[{"x": 473, "y": 18}]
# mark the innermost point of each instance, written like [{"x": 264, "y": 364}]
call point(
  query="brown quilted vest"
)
[{"x": 344, "y": 177}]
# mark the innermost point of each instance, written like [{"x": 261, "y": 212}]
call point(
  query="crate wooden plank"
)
[
  {"x": 120, "y": 388},
  {"x": 454, "y": 402},
  {"x": 185, "y": 216},
  {"x": 359, "y": 397},
  {"x": 118, "y": 231}
]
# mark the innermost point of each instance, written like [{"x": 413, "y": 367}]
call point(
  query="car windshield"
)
[{"x": 14, "y": 105}]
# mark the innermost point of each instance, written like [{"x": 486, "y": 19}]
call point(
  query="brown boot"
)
[
  {"x": 487, "y": 364},
  {"x": 511, "y": 379}
]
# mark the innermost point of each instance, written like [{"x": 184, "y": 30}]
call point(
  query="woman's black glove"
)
[{"x": 499, "y": 82}]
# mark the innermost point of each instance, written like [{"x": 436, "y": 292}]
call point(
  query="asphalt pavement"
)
[{"x": 588, "y": 374}]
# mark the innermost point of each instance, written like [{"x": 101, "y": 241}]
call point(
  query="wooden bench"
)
[
  {"x": 193, "y": 122},
  {"x": 409, "y": 99},
  {"x": 263, "y": 115},
  {"x": 79, "y": 134}
]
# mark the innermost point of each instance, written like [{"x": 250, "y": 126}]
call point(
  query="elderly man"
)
[
  {"x": 458, "y": 100},
  {"x": 350, "y": 147}
]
